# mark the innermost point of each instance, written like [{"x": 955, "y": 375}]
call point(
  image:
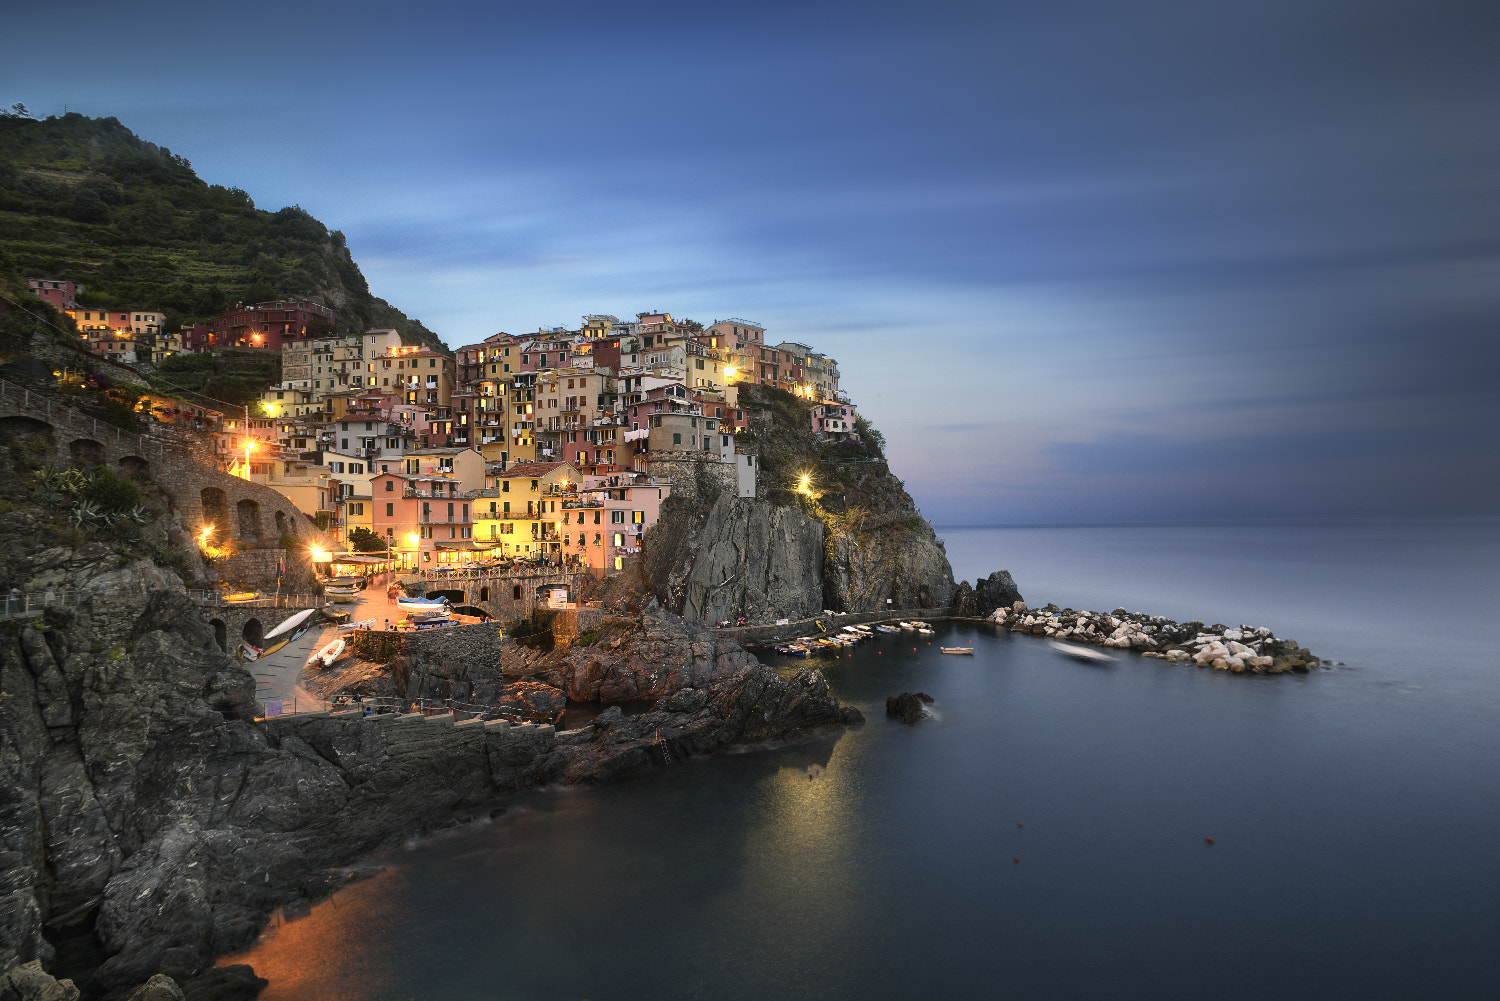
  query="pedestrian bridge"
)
[{"x": 509, "y": 593}]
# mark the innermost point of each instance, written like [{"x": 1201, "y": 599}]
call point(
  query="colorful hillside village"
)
[{"x": 554, "y": 447}]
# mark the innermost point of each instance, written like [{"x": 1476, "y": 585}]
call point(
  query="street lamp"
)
[{"x": 249, "y": 445}]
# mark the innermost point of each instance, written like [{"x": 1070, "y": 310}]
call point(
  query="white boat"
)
[
  {"x": 342, "y": 595},
  {"x": 329, "y": 653},
  {"x": 1087, "y": 655},
  {"x": 956, "y": 649},
  {"x": 924, "y": 631},
  {"x": 361, "y": 624},
  {"x": 422, "y": 604},
  {"x": 290, "y": 623}
]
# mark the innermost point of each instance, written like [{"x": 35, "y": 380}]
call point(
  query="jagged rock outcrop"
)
[
  {"x": 996, "y": 591},
  {"x": 756, "y": 706},
  {"x": 891, "y": 566},
  {"x": 666, "y": 655},
  {"x": 765, "y": 561},
  {"x": 739, "y": 556},
  {"x": 140, "y": 800}
]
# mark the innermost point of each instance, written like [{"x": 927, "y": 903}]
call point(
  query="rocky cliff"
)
[
  {"x": 141, "y": 803},
  {"x": 829, "y": 528}
]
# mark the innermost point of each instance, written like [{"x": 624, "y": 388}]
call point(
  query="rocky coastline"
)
[
  {"x": 1239, "y": 649},
  {"x": 145, "y": 809}
]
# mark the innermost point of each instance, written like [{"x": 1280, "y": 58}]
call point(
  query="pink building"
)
[
  {"x": 63, "y": 295},
  {"x": 831, "y": 419}
]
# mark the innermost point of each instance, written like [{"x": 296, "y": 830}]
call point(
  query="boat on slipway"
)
[{"x": 330, "y": 653}]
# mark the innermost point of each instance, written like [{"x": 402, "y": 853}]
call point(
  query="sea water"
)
[{"x": 1042, "y": 834}]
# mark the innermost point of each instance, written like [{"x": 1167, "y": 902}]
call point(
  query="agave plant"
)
[{"x": 84, "y": 512}]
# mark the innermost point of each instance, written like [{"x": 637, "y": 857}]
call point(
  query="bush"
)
[{"x": 111, "y": 491}]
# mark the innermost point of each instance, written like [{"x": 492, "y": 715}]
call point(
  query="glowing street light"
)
[
  {"x": 319, "y": 554},
  {"x": 207, "y": 531},
  {"x": 805, "y": 486}
]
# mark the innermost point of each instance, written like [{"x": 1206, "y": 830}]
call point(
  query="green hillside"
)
[{"x": 86, "y": 200}]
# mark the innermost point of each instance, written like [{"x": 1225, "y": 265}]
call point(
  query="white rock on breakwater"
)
[{"x": 1240, "y": 650}]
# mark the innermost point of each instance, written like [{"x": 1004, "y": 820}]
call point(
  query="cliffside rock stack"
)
[{"x": 1239, "y": 650}]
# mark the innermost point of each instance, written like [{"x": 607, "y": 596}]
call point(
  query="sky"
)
[{"x": 1079, "y": 261}]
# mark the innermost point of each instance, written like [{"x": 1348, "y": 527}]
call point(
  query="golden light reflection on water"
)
[
  {"x": 807, "y": 831},
  {"x": 340, "y": 950}
]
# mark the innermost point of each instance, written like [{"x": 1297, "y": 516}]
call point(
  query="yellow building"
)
[{"x": 523, "y": 508}]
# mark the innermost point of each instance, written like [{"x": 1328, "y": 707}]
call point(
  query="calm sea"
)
[{"x": 1042, "y": 835}]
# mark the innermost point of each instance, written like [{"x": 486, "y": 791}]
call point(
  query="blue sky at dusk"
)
[{"x": 1079, "y": 261}]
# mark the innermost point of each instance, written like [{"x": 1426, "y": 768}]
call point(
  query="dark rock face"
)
[
  {"x": 906, "y": 707},
  {"x": 764, "y": 561},
  {"x": 997, "y": 591},
  {"x": 140, "y": 800},
  {"x": 667, "y": 654},
  {"x": 754, "y": 707},
  {"x": 533, "y": 700}
]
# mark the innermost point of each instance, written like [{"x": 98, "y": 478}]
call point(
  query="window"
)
[
  {"x": 676, "y": 438},
  {"x": 505, "y": 489},
  {"x": 390, "y": 510},
  {"x": 390, "y": 485},
  {"x": 619, "y": 541},
  {"x": 638, "y": 517}
]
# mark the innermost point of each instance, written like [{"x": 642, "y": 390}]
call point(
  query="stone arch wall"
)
[
  {"x": 178, "y": 461},
  {"x": 247, "y": 512},
  {"x": 135, "y": 467},
  {"x": 253, "y": 632},
  {"x": 21, "y": 429},
  {"x": 86, "y": 452},
  {"x": 214, "y": 509}
]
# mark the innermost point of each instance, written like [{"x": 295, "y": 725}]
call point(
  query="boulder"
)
[{"x": 906, "y": 707}]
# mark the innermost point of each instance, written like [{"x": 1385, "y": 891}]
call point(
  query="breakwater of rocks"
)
[{"x": 1238, "y": 649}]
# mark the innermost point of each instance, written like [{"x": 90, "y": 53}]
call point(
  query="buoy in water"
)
[
  {"x": 1019, "y": 824},
  {"x": 1208, "y": 841},
  {"x": 1015, "y": 858}
]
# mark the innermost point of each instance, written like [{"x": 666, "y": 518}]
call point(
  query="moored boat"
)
[{"x": 956, "y": 649}]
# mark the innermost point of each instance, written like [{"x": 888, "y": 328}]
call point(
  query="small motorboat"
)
[
  {"x": 887, "y": 629},
  {"x": 344, "y": 595},
  {"x": 361, "y": 624},
  {"x": 1087, "y": 655},
  {"x": 242, "y": 596},
  {"x": 956, "y": 649},
  {"x": 924, "y": 631},
  {"x": 330, "y": 653}
]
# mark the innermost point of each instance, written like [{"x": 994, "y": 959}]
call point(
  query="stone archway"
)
[
  {"x": 282, "y": 526},
  {"x": 25, "y": 430},
  {"x": 135, "y": 467},
  {"x": 86, "y": 452},
  {"x": 249, "y": 520},
  {"x": 484, "y": 594},
  {"x": 221, "y": 633},
  {"x": 253, "y": 633},
  {"x": 454, "y": 597},
  {"x": 216, "y": 511}
]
